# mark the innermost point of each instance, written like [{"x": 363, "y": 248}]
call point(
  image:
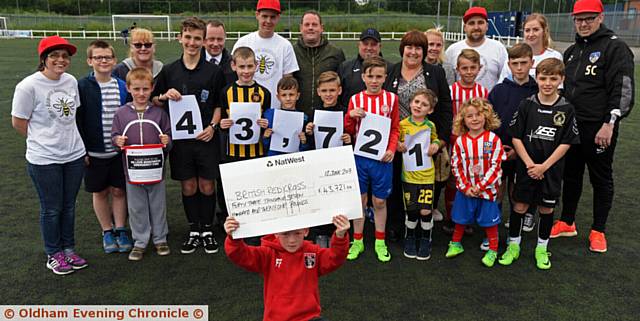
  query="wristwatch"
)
[{"x": 214, "y": 126}]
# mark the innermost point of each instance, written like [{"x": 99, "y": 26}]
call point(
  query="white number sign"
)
[{"x": 245, "y": 129}]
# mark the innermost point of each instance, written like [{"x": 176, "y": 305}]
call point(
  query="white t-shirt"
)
[
  {"x": 50, "y": 106},
  {"x": 275, "y": 57},
  {"x": 549, "y": 53},
  {"x": 493, "y": 56}
]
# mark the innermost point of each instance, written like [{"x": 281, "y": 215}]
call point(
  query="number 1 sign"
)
[
  {"x": 373, "y": 136},
  {"x": 416, "y": 157},
  {"x": 185, "y": 118},
  {"x": 245, "y": 129}
]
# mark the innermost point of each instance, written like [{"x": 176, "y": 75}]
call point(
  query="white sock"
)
[
  {"x": 515, "y": 240},
  {"x": 542, "y": 242}
]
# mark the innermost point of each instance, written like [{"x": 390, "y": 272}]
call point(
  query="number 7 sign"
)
[
  {"x": 328, "y": 128},
  {"x": 185, "y": 118}
]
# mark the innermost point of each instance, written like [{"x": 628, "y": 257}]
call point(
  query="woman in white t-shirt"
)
[
  {"x": 537, "y": 35},
  {"x": 44, "y": 111}
]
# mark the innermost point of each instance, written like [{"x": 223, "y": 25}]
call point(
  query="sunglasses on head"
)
[{"x": 140, "y": 45}]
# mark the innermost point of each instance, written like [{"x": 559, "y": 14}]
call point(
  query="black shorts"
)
[
  {"x": 104, "y": 172},
  {"x": 417, "y": 196},
  {"x": 544, "y": 192},
  {"x": 194, "y": 158}
]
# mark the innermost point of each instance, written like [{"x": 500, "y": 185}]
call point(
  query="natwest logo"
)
[{"x": 285, "y": 161}]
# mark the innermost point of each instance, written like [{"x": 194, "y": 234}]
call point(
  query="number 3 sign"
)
[
  {"x": 185, "y": 118},
  {"x": 373, "y": 136},
  {"x": 245, "y": 129}
]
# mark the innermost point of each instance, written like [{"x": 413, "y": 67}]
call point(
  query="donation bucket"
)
[{"x": 144, "y": 163}]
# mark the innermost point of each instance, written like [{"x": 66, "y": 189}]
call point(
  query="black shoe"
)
[
  {"x": 393, "y": 236},
  {"x": 191, "y": 244},
  {"x": 209, "y": 243}
]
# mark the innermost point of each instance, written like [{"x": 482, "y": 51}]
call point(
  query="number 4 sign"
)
[
  {"x": 185, "y": 118},
  {"x": 416, "y": 158},
  {"x": 373, "y": 136},
  {"x": 245, "y": 129}
]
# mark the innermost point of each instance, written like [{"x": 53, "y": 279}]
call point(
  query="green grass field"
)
[{"x": 580, "y": 286}]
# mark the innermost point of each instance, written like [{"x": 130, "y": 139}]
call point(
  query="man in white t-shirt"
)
[
  {"x": 274, "y": 53},
  {"x": 493, "y": 54}
]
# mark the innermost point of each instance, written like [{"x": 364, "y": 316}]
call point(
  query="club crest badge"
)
[
  {"x": 385, "y": 109},
  {"x": 309, "y": 260},
  {"x": 559, "y": 118},
  {"x": 594, "y": 56},
  {"x": 487, "y": 147}
]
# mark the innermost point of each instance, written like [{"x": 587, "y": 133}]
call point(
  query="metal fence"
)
[{"x": 338, "y": 16}]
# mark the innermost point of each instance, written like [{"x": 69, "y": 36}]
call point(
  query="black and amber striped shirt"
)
[{"x": 234, "y": 93}]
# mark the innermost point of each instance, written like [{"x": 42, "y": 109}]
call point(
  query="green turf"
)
[{"x": 580, "y": 286}]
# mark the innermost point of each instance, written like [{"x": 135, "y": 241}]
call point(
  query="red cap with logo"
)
[
  {"x": 55, "y": 42},
  {"x": 268, "y": 5},
  {"x": 587, "y": 6},
  {"x": 475, "y": 11}
]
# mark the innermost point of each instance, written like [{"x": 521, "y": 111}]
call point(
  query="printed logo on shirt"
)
[
  {"x": 309, "y": 260},
  {"x": 559, "y": 118},
  {"x": 544, "y": 133},
  {"x": 61, "y": 105},
  {"x": 487, "y": 147},
  {"x": 594, "y": 56},
  {"x": 385, "y": 109},
  {"x": 204, "y": 95},
  {"x": 278, "y": 262},
  {"x": 266, "y": 63}
]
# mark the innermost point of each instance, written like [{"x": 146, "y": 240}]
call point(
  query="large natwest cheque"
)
[{"x": 286, "y": 192}]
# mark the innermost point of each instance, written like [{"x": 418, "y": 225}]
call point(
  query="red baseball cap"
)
[
  {"x": 269, "y": 5},
  {"x": 475, "y": 11},
  {"x": 55, "y": 42},
  {"x": 587, "y": 6}
]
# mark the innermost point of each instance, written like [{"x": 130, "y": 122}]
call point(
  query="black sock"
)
[
  {"x": 544, "y": 228},
  {"x": 107, "y": 231},
  {"x": 207, "y": 209},
  {"x": 191, "y": 208},
  {"x": 515, "y": 224},
  {"x": 426, "y": 222},
  {"x": 411, "y": 223}
]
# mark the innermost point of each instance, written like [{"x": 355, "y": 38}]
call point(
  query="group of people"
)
[{"x": 477, "y": 120}]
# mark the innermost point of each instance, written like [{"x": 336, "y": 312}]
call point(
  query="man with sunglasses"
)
[{"x": 599, "y": 83}]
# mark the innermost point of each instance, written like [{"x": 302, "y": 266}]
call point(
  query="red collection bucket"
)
[{"x": 145, "y": 162}]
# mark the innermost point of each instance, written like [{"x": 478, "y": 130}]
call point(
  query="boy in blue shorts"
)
[
  {"x": 101, "y": 96},
  {"x": 417, "y": 185},
  {"x": 543, "y": 129},
  {"x": 377, "y": 173}
]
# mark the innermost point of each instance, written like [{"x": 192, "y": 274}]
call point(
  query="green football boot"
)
[
  {"x": 510, "y": 255},
  {"x": 489, "y": 258},
  {"x": 356, "y": 248},
  {"x": 455, "y": 249},
  {"x": 382, "y": 252},
  {"x": 542, "y": 258}
]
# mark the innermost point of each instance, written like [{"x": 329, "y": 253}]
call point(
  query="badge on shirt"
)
[
  {"x": 385, "y": 109},
  {"x": 204, "y": 95},
  {"x": 487, "y": 147},
  {"x": 475, "y": 169},
  {"x": 559, "y": 118},
  {"x": 594, "y": 56},
  {"x": 309, "y": 260}
]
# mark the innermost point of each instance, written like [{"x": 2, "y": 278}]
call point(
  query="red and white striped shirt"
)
[
  {"x": 384, "y": 104},
  {"x": 461, "y": 94},
  {"x": 476, "y": 161}
]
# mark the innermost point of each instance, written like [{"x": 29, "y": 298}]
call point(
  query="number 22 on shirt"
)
[
  {"x": 185, "y": 118},
  {"x": 373, "y": 136}
]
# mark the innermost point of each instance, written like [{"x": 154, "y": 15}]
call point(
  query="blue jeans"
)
[{"x": 57, "y": 186}]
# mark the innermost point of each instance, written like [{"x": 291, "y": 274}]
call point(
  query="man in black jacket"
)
[
  {"x": 214, "y": 51},
  {"x": 600, "y": 84},
  {"x": 351, "y": 71}
]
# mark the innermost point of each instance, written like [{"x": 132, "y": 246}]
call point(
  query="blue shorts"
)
[
  {"x": 468, "y": 210},
  {"x": 378, "y": 174}
]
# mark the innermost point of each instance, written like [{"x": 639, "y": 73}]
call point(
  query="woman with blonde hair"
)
[
  {"x": 142, "y": 50},
  {"x": 537, "y": 35},
  {"x": 435, "y": 53}
]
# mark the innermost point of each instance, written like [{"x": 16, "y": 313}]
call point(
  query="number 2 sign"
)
[
  {"x": 373, "y": 136},
  {"x": 185, "y": 118}
]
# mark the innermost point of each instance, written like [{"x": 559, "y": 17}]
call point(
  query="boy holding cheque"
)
[
  {"x": 418, "y": 177},
  {"x": 372, "y": 168}
]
